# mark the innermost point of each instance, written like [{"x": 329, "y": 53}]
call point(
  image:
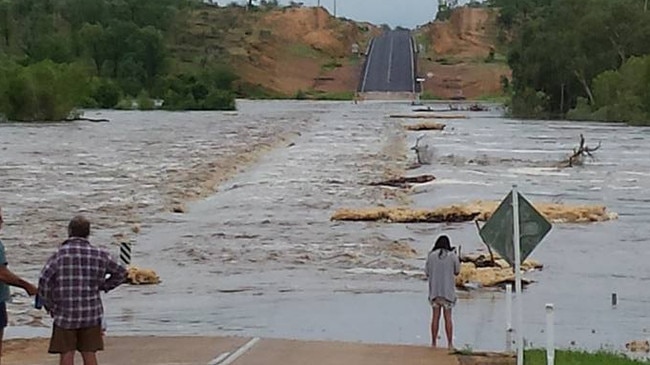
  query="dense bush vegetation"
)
[
  {"x": 40, "y": 91},
  {"x": 584, "y": 58},
  {"x": 59, "y": 54}
]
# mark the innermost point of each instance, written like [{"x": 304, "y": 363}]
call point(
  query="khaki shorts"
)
[
  {"x": 441, "y": 302},
  {"x": 83, "y": 340}
]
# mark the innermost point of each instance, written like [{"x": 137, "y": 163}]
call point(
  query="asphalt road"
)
[
  {"x": 233, "y": 350},
  {"x": 390, "y": 64}
]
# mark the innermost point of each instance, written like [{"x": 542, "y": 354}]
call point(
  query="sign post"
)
[
  {"x": 520, "y": 308},
  {"x": 513, "y": 231},
  {"x": 508, "y": 317}
]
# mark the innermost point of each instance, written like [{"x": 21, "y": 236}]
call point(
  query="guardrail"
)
[
  {"x": 364, "y": 73},
  {"x": 417, "y": 87},
  {"x": 369, "y": 46}
]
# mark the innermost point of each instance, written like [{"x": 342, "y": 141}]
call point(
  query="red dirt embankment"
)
[
  {"x": 310, "y": 49},
  {"x": 457, "y": 55},
  {"x": 281, "y": 50},
  {"x": 465, "y": 34}
]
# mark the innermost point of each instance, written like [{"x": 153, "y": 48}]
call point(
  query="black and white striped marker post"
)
[{"x": 125, "y": 253}]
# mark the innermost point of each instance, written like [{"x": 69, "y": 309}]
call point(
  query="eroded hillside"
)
[
  {"x": 461, "y": 56},
  {"x": 284, "y": 52}
]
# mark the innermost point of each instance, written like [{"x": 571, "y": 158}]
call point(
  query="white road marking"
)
[
  {"x": 230, "y": 358},
  {"x": 412, "y": 63},
  {"x": 390, "y": 59},
  {"x": 365, "y": 77},
  {"x": 219, "y": 358}
]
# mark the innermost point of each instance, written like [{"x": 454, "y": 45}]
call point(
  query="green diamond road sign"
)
[{"x": 498, "y": 230}]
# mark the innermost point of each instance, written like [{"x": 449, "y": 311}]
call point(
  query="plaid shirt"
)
[{"x": 72, "y": 280}]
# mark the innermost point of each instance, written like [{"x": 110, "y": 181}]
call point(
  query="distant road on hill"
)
[{"x": 390, "y": 64}]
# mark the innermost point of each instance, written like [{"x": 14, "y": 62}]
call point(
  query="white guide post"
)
[
  {"x": 508, "y": 317},
  {"x": 519, "y": 303},
  {"x": 550, "y": 334}
]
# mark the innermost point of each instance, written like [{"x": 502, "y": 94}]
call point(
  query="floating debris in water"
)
[
  {"x": 478, "y": 271},
  {"x": 479, "y": 210},
  {"x": 428, "y": 116},
  {"x": 425, "y": 126},
  {"x": 405, "y": 215},
  {"x": 138, "y": 276},
  {"x": 638, "y": 346}
]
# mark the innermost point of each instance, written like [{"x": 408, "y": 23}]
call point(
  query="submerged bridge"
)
[{"x": 390, "y": 68}]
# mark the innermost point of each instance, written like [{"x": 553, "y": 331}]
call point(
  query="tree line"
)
[
  {"x": 578, "y": 59},
  {"x": 56, "y": 55}
]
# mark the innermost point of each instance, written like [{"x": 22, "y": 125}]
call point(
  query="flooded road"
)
[{"x": 259, "y": 256}]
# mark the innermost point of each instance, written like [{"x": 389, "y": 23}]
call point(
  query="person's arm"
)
[
  {"x": 456, "y": 265},
  {"x": 426, "y": 268},
  {"x": 116, "y": 274},
  {"x": 45, "y": 284},
  {"x": 8, "y": 277}
]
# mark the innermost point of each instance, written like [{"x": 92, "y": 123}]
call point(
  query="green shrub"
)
[
  {"x": 89, "y": 103},
  {"x": 125, "y": 104},
  {"x": 107, "y": 94},
  {"x": 257, "y": 91},
  {"x": 207, "y": 90},
  {"x": 490, "y": 56},
  {"x": 620, "y": 96},
  {"x": 44, "y": 91},
  {"x": 428, "y": 95},
  {"x": 219, "y": 100},
  {"x": 530, "y": 104},
  {"x": 300, "y": 95},
  {"x": 178, "y": 101},
  {"x": 331, "y": 65},
  {"x": 335, "y": 96},
  {"x": 145, "y": 102}
]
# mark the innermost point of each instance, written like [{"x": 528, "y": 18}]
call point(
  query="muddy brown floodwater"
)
[{"x": 255, "y": 252}]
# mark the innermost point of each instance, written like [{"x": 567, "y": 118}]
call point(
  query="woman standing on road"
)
[{"x": 441, "y": 268}]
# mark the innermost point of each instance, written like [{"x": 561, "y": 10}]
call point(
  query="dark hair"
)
[
  {"x": 442, "y": 244},
  {"x": 79, "y": 226}
]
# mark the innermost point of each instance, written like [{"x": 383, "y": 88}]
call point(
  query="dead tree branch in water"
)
[
  {"x": 422, "y": 152},
  {"x": 93, "y": 120},
  {"x": 579, "y": 153},
  {"x": 405, "y": 182}
]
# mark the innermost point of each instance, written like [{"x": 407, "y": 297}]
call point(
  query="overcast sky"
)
[{"x": 406, "y": 13}]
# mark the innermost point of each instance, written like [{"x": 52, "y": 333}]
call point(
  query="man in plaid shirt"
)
[{"x": 70, "y": 287}]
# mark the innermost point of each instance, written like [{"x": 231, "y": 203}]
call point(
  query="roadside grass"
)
[
  {"x": 427, "y": 95},
  {"x": 257, "y": 92},
  {"x": 354, "y": 60},
  {"x": 303, "y": 50},
  {"x": 494, "y": 98},
  {"x": 569, "y": 357},
  {"x": 497, "y": 59},
  {"x": 425, "y": 41},
  {"x": 448, "y": 61},
  {"x": 332, "y": 96},
  {"x": 331, "y": 65}
]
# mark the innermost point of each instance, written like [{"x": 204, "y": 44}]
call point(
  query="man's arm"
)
[
  {"x": 9, "y": 278},
  {"x": 456, "y": 265},
  {"x": 117, "y": 274},
  {"x": 12, "y": 279}
]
